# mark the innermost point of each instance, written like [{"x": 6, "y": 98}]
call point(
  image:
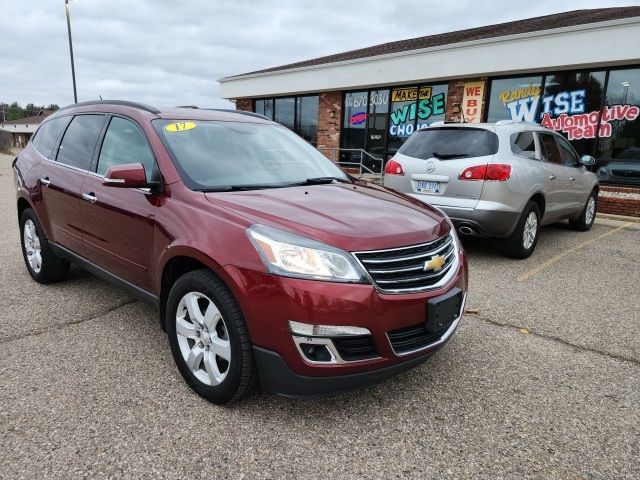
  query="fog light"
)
[{"x": 316, "y": 353}]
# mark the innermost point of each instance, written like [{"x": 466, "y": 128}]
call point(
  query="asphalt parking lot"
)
[{"x": 541, "y": 381}]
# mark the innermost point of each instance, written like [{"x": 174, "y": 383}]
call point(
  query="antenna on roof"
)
[{"x": 100, "y": 96}]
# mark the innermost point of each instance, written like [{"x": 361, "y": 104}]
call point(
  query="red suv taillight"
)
[
  {"x": 393, "y": 168},
  {"x": 498, "y": 172}
]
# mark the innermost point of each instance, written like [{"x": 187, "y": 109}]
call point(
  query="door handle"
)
[
  {"x": 90, "y": 197},
  {"x": 552, "y": 177},
  {"x": 573, "y": 179},
  {"x": 45, "y": 181}
]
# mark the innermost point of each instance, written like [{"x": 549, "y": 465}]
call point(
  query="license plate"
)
[
  {"x": 428, "y": 187},
  {"x": 443, "y": 310}
]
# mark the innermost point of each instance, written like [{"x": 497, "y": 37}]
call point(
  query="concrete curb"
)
[{"x": 619, "y": 218}]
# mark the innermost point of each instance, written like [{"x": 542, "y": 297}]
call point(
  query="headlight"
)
[{"x": 294, "y": 256}]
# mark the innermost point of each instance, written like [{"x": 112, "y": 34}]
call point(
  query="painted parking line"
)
[{"x": 544, "y": 265}]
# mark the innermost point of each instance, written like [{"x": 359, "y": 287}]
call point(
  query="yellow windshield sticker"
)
[{"x": 179, "y": 126}]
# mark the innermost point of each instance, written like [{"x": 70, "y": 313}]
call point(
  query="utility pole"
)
[{"x": 73, "y": 69}]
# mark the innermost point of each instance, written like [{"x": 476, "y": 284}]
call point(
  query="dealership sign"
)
[
  {"x": 564, "y": 112},
  {"x": 403, "y": 118}
]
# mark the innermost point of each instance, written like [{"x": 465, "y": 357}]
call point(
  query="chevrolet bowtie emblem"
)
[{"x": 436, "y": 263}]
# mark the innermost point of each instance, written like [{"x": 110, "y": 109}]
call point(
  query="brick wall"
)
[
  {"x": 619, "y": 201},
  {"x": 245, "y": 104},
  {"x": 329, "y": 117},
  {"x": 454, "y": 98}
]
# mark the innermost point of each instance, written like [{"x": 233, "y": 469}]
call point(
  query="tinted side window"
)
[
  {"x": 48, "y": 134},
  {"x": 79, "y": 141},
  {"x": 550, "y": 148},
  {"x": 449, "y": 143},
  {"x": 568, "y": 156},
  {"x": 522, "y": 144},
  {"x": 124, "y": 143}
]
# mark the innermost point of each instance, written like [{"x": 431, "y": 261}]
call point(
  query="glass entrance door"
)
[
  {"x": 364, "y": 128},
  {"x": 376, "y": 136}
]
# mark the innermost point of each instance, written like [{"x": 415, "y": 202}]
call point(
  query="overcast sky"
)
[{"x": 173, "y": 52}]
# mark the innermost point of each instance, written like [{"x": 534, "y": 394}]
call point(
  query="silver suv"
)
[{"x": 502, "y": 179}]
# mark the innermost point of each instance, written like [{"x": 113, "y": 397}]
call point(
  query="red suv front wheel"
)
[{"x": 209, "y": 338}]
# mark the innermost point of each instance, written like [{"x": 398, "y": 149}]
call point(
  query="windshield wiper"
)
[
  {"x": 322, "y": 180},
  {"x": 237, "y": 188},
  {"x": 445, "y": 156},
  {"x": 258, "y": 186}
]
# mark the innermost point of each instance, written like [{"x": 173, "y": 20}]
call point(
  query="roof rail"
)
[
  {"x": 124, "y": 103},
  {"x": 241, "y": 112}
]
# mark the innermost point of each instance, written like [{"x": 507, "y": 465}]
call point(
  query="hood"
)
[{"x": 349, "y": 216}]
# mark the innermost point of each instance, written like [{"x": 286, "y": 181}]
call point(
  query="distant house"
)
[{"x": 22, "y": 129}]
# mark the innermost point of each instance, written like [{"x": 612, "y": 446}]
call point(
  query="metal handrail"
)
[{"x": 359, "y": 164}]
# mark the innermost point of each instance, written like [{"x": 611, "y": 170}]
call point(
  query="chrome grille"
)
[{"x": 403, "y": 269}]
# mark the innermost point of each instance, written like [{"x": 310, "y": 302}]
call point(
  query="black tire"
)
[
  {"x": 52, "y": 268},
  {"x": 582, "y": 224},
  {"x": 241, "y": 376},
  {"x": 514, "y": 246}
]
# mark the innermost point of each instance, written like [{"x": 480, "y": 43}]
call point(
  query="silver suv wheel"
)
[
  {"x": 530, "y": 230},
  {"x": 590, "y": 211},
  {"x": 203, "y": 338}
]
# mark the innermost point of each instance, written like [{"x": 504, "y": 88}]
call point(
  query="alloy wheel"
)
[
  {"x": 32, "y": 246},
  {"x": 591, "y": 211},
  {"x": 203, "y": 338},
  {"x": 530, "y": 230}
]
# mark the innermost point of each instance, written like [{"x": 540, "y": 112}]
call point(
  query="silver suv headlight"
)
[{"x": 291, "y": 255}]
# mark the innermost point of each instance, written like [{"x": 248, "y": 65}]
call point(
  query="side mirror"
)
[
  {"x": 131, "y": 175},
  {"x": 588, "y": 160}
]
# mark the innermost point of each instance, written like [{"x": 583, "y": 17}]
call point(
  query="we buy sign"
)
[{"x": 472, "y": 101}]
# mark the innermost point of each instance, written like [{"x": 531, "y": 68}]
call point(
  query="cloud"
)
[{"x": 172, "y": 52}]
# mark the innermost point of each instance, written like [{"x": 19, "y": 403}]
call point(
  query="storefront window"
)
[
  {"x": 567, "y": 102},
  {"x": 575, "y": 105},
  {"x": 300, "y": 114},
  {"x": 514, "y": 98},
  {"x": 285, "y": 112},
  {"x": 570, "y": 105},
  {"x": 618, "y": 150},
  {"x": 307, "y": 118},
  {"x": 264, "y": 106},
  {"x": 258, "y": 106},
  {"x": 268, "y": 108},
  {"x": 354, "y": 123},
  {"x": 402, "y": 115},
  {"x": 413, "y": 108},
  {"x": 434, "y": 109}
]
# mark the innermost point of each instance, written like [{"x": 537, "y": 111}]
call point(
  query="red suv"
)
[{"x": 268, "y": 264}]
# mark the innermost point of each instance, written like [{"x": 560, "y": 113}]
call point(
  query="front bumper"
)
[
  {"x": 269, "y": 302},
  {"x": 276, "y": 376}
]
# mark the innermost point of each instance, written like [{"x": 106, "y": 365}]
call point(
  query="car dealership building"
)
[{"x": 576, "y": 72}]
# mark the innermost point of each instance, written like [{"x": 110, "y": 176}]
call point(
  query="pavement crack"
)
[
  {"x": 54, "y": 328},
  {"x": 554, "y": 338}
]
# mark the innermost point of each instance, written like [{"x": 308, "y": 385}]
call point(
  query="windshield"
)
[
  {"x": 450, "y": 142},
  {"x": 213, "y": 155}
]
